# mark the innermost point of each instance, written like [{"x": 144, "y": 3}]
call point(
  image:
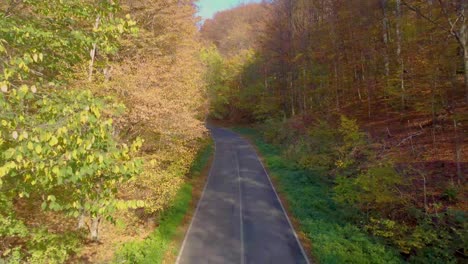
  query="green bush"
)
[
  {"x": 46, "y": 248},
  {"x": 274, "y": 131},
  {"x": 451, "y": 194},
  {"x": 316, "y": 150}
]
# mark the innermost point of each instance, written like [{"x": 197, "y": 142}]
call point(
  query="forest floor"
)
[
  {"x": 112, "y": 237},
  {"x": 424, "y": 148},
  {"x": 427, "y": 146}
]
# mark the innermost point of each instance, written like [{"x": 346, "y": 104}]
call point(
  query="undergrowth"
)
[
  {"x": 153, "y": 249},
  {"x": 310, "y": 196}
]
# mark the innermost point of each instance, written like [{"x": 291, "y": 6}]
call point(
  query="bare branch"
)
[{"x": 435, "y": 23}]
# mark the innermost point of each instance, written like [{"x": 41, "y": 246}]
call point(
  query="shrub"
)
[{"x": 273, "y": 131}]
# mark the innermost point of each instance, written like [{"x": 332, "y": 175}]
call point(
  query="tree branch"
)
[{"x": 435, "y": 23}]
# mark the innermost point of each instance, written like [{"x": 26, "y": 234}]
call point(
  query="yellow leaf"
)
[
  {"x": 83, "y": 117},
  {"x": 3, "y": 171},
  {"x": 95, "y": 111},
  {"x": 38, "y": 149},
  {"x": 53, "y": 141},
  {"x": 24, "y": 89}
]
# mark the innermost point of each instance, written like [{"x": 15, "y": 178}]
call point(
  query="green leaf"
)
[
  {"x": 56, "y": 170},
  {"x": 51, "y": 198},
  {"x": 53, "y": 141},
  {"x": 9, "y": 153}
]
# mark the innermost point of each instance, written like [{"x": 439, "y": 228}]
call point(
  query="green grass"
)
[
  {"x": 203, "y": 157},
  {"x": 153, "y": 249},
  {"x": 335, "y": 239}
]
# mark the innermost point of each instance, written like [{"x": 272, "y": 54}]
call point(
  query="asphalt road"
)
[{"x": 239, "y": 218}]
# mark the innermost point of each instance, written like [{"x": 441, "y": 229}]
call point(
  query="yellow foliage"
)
[
  {"x": 159, "y": 77},
  {"x": 162, "y": 177}
]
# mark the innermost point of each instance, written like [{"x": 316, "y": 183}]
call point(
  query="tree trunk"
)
[
  {"x": 400, "y": 59},
  {"x": 369, "y": 106},
  {"x": 337, "y": 97},
  {"x": 464, "y": 43},
  {"x": 458, "y": 153},
  {"x": 93, "y": 52},
  {"x": 94, "y": 229},
  {"x": 304, "y": 90},
  {"x": 385, "y": 38},
  {"x": 465, "y": 58},
  {"x": 291, "y": 87},
  {"x": 81, "y": 220}
]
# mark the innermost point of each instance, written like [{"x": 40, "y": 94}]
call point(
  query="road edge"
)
[
  {"x": 197, "y": 202},
  {"x": 300, "y": 239}
]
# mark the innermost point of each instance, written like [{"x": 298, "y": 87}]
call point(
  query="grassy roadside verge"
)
[
  {"x": 309, "y": 196},
  {"x": 163, "y": 244}
]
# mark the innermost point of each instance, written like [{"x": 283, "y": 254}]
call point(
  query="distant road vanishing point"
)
[{"x": 239, "y": 218}]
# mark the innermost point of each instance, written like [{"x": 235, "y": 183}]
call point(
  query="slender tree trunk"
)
[
  {"x": 359, "y": 84},
  {"x": 464, "y": 43},
  {"x": 433, "y": 109},
  {"x": 337, "y": 97},
  {"x": 289, "y": 95},
  {"x": 399, "y": 56},
  {"x": 291, "y": 87},
  {"x": 458, "y": 153},
  {"x": 304, "y": 89},
  {"x": 465, "y": 51},
  {"x": 369, "y": 106},
  {"x": 385, "y": 38},
  {"x": 93, "y": 52},
  {"x": 425, "y": 192},
  {"x": 367, "y": 82}
]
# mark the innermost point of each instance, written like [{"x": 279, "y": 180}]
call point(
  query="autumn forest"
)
[{"x": 358, "y": 108}]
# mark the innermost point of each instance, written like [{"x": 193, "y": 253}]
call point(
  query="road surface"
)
[{"x": 239, "y": 218}]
